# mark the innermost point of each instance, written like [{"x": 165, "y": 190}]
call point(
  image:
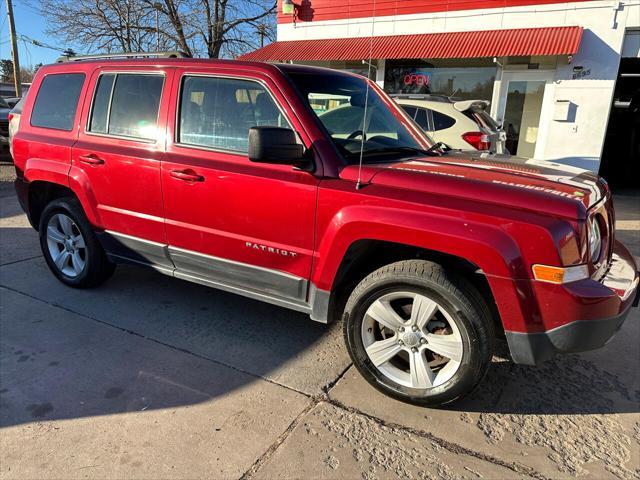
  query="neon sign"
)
[{"x": 418, "y": 79}]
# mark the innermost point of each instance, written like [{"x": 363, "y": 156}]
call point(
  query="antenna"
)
[{"x": 366, "y": 99}]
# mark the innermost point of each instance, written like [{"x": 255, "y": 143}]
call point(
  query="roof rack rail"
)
[
  {"x": 106, "y": 56},
  {"x": 435, "y": 97}
]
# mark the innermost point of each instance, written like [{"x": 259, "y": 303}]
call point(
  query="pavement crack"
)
[
  {"x": 452, "y": 447},
  {"x": 273, "y": 448},
  {"x": 21, "y": 260},
  {"x": 329, "y": 386}
]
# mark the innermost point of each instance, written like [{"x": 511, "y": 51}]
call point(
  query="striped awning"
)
[{"x": 518, "y": 42}]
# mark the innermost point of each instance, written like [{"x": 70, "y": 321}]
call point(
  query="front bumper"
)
[{"x": 603, "y": 307}]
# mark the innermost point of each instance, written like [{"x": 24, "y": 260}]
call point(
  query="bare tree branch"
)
[{"x": 214, "y": 28}]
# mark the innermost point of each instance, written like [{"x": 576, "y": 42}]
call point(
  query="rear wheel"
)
[
  {"x": 70, "y": 248},
  {"x": 418, "y": 333}
]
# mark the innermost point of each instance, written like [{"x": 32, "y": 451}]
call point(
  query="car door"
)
[
  {"x": 117, "y": 159},
  {"x": 230, "y": 222}
]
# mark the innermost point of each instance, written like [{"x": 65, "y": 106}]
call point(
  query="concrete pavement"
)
[{"x": 151, "y": 377}]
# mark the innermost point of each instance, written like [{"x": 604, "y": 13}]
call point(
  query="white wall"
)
[{"x": 577, "y": 142}]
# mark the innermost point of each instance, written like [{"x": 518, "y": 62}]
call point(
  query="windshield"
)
[
  {"x": 338, "y": 101},
  {"x": 3, "y": 104}
]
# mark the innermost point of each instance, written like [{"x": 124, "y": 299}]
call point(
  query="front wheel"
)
[
  {"x": 70, "y": 248},
  {"x": 417, "y": 333}
]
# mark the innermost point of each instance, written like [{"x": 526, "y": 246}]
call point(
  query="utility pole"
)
[
  {"x": 14, "y": 50},
  {"x": 262, "y": 31},
  {"x": 157, "y": 6}
]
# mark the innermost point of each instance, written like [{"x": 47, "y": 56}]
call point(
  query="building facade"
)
[{"x": 549, "y": 68}]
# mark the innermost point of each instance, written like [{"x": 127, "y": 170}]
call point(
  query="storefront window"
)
[{"x": 464, "y": 79}]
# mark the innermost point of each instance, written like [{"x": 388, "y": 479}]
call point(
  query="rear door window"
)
[
  {"x": 218, "y": 112},
  {"x": 442, "y": 121},
  {"x": 411, "y": 111},
  {"x": 422, "y": 118},
  {"x": 57, "y": 101},
  {"x": 127, "y": 104}
]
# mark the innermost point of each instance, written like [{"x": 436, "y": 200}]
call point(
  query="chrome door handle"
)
[{"x": 186, "y": 175}]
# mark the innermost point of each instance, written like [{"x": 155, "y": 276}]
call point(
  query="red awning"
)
[{"x": 488, "y": 43}]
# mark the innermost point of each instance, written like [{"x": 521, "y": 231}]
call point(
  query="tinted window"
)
[
  {"x": 218, "y": 112},
  {"x": 411, "y": 111},
  {"x": 57, "y": 101},
  {"x": 442, "y": 121},
  {"x": 421, "y": 118},
  {"x": 133, "y": 111},
  {"x": 100, "y": 109}
]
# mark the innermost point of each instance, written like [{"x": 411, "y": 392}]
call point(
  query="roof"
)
[{"x": 478, "y": 44}]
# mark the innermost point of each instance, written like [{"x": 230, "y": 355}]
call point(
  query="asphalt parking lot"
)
[{"x": 152, "y": 377}]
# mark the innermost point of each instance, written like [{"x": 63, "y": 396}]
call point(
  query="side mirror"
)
[{"x": 275, "y": 145}]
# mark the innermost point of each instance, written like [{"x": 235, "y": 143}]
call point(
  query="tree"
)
[
  {"x": 6, "y": 70},
  {"x": 212, "y": 28}
]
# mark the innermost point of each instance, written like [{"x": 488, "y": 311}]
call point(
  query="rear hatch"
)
[{"x": 476, "y": 110}]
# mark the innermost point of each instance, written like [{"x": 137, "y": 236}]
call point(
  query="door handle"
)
[
  {"x": 186, "y": 175},
  {"x": 91, "y": 159}
]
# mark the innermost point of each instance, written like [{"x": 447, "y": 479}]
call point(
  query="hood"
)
[
  {"x": 4, "y": 113},
  {"x": 534, "y": 185}
]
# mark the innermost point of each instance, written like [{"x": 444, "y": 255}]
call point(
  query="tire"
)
[
  {"x": 83, "y": 263},
  {"x": 381, "y": 311}
]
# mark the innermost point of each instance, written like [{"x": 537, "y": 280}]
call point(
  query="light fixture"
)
[{"x": 288, "y": 7}]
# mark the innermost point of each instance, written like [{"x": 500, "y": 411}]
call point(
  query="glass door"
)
[{"x": 520, "y": 109}]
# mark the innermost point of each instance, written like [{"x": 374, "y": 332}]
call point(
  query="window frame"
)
[
  {"x": 75, "y": 117},
  {"x": 115, "y": 73},
  {"x": 176, "y": 129}
]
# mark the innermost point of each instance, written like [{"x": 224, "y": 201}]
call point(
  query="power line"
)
[{"x": 39, "y": 43}]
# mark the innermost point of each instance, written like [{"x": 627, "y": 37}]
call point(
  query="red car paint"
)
[{"x": 500, "y": 213}]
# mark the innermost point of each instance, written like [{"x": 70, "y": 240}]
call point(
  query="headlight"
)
[{"x": 595, "y": 240}]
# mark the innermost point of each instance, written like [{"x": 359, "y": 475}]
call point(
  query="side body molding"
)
[{"x": 267, "y": 285}]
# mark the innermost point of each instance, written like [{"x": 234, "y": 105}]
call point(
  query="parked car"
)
[
  {"x": 221, "y": 173},
  {"x": 14, "y": 121},
  {"x": 460, "y": 124},
  {"x": 12, "y": 101},
  {"x": 4, "y": 127}
]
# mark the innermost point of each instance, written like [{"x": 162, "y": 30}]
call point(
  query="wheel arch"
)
[
  {"x": 40, "y": 194},
  {"x": 364, "y": 256}
]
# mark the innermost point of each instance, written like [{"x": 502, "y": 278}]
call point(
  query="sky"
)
[{"x": 31, "y": 24}]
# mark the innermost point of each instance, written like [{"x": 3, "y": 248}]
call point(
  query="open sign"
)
[{"x": 416, "y": 79}]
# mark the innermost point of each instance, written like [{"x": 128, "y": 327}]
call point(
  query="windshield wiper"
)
[{"x": 442, "y": 147}]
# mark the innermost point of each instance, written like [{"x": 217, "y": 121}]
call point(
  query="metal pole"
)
[
  {"x": 157, "y": 31},
  {"x": 14, "y": 50}
]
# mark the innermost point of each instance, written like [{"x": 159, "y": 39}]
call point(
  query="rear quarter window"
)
[
  {"x": 57, "y": 101},
  {"x": 442, "y": 121}
]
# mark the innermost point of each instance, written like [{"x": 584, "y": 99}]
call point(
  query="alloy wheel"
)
[
  {"x": 66, "y": 245},
  {"x": 412, "y": 339}
]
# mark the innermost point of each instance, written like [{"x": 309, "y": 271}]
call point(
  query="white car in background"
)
[
  {"x": 14, "y": 122},
  {"x": 460, "y": 124}
]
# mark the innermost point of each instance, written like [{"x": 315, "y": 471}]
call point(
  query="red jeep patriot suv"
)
[{"x": 311, "y": 189}]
